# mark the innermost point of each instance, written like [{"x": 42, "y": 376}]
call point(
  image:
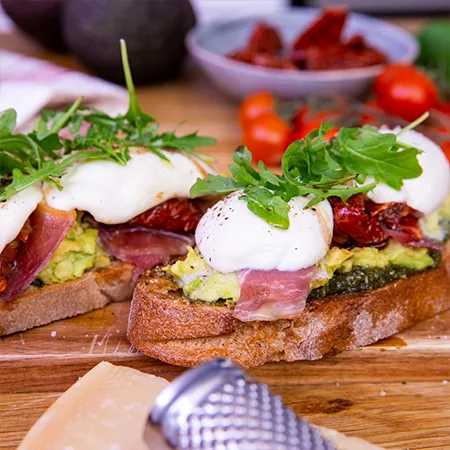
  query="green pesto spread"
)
[{"x": 340, "y": 271}]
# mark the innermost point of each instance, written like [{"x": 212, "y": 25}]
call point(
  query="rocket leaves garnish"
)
[
  {"x": 44, "y": 154},
  {"x": 318, "y": 169}
]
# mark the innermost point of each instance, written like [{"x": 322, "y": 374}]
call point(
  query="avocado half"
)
[
  {"x": 41, "y": 19},
  {"x": 154, "y": 31}
]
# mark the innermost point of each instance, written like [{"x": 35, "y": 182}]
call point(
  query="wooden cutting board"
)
[{"x": 395, "y": 393}]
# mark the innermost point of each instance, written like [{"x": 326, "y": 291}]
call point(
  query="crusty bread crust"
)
[
  {"x": 164, "y": 325},
  {"x": 39, "y": 306}
]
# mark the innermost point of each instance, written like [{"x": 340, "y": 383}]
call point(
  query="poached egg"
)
[
  {"x": 115, "y": 194},
  {"x": 230, "y": 237},
  {"x": 426, "y": 192},
  {"x": 15, "y": 212}
]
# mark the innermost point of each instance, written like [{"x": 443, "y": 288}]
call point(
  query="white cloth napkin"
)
[{"x": 29, "y": 85}]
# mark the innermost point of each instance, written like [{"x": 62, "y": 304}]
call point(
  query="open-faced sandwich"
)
[
  {"x": 82, "y": 214},
  {"x": 346, "y": 247}
]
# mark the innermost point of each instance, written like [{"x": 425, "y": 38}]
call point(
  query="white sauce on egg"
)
[
  {"x": 426, "y": 192},
  {"x": 15, "y": 212},
  {"x": 115, "y": 194},
  {"x": 230, "y": 237}
]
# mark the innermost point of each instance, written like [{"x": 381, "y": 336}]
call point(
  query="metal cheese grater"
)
[{"x": 217, "y": 406}]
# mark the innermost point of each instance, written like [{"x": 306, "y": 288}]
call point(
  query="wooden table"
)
[{"x": 395, "y": 393}]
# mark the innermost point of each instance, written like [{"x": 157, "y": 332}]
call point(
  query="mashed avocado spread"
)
[
  {"x": 340, "y": 271},
  {"x": 201, "y": 282},
  {"x": 436, "y": 226},
  {"x": 77, "y": 253}
]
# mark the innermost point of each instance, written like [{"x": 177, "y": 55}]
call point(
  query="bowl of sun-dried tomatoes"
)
[{"x": 299, "y": 52}]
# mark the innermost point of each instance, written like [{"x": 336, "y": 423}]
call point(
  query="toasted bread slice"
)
[
  {"x": 39, "y": 306},
  {"x": 164, "y": 325}
]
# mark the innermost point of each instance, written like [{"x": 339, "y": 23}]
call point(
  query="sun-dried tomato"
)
[
  {"x": 410, "y": 225},
  {"x": 320, "y": 47},
  {"x": 337, "y": 56},
  {"x": 363, "y": 222},
  {"x": 175, "y": 214},
  {"x": 3, "y": 283},
  {"x": 325, "y": 30},
  {"x": 262, "y": 59},
  {"x": 353, "y": 220},
  {"x": 265, "y": 39}
]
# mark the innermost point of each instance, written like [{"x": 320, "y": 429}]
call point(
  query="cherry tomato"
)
[
  {"x": 314, "y": 125},
  {"x": 406, "y": 92},
  {"x": 267, "y": 137},
  {"x": 390, "y": 73},
  {"x": 446, "y": 149},
  {"x": 255, "y": 105},
  {"x": 311, "y": 122},
  {"x": 300, "y": 116}
]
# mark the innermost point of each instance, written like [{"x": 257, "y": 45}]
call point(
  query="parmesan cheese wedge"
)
[
  {"x": 105, "y": 410},
  {"x": 343, "y": 442}
]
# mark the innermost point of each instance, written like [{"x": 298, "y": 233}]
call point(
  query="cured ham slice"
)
[
  {"x": 406, "y": 239},
  {"x": 49, "y": 226},
  {"x": 272, "y": 295},
  {"x": 143, "y": 247}
]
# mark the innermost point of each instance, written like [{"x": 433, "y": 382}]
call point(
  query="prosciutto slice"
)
[
  {"x": 273, "y": 294},
  {"x": 48, "y": 228},
  {"x": 406, "y": 239},
  {"x": 143, "y": 247}
]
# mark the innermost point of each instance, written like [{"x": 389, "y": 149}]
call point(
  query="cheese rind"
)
[
  {"x": 343, "y": 442},
  {"x": 105, "y": 410}
]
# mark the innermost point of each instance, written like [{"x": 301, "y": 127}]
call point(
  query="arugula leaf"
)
[
  {"x": 269, "y": 207},
  {"x": 317, "y": 169},
  {"x": 187, "y": 143},
  {"x": 367, "y": 152},
  {"x": 268, "y": 177},
  {"x": 214, "y": 184},
  {"x": 8, "y": 164},
  {"x": 134, "y": 115},
  {"x": 43, "y": 155},
  {"x": 312, "y": 162},
  {"x": 50, "y": 168},
  {"x": 7, "y": 122}
]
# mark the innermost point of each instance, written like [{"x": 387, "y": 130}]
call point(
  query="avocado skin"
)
[
  {"x": 40, "y": 19},
  {"x": 154, "y": 31}
]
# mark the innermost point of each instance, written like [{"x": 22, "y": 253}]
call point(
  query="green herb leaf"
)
[
  {"x": 367, "y": 152},
  {"x": 214, "y": 184},
  {"x": 7, "y": 122},
  {"x": 187, "y": 143},
  {"x": 273, "y": 209},
  {"x": 318, "y": 169},
  {"x": 134, "y": 115}
]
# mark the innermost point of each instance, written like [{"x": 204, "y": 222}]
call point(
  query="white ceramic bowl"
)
[{"x": 209, "y": 43}]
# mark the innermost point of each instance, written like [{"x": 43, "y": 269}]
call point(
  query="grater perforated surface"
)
[{"x": 224, "y": 409}]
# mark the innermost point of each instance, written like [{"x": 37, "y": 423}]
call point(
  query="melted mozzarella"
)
[
  {"x": 15, "y": 212},
  {"x": 114, "y": 194},
  {"x": 230, "y": 237},
  {"x": 426, "y": 192}
]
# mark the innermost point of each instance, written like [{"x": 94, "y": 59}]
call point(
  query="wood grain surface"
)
[{"x": 395, "y": 393}]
